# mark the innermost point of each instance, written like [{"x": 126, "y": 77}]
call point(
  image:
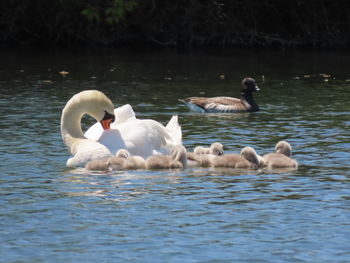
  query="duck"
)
[
  {"x": 176, "y": 160},
  {"x": 139, "y": 137},
  {"x": 142, "y": 137},
  {"x": 247, "y": 159},
  {"x": 281, "y": 158},
  {"x": 224, "y": 104}
]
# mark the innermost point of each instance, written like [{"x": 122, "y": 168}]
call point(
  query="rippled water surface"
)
[{"x": 49, "y": 213}]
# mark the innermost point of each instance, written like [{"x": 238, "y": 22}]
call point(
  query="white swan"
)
[
  {"x": 141, "y": 137},
  {"x": 95, "y": 104}
]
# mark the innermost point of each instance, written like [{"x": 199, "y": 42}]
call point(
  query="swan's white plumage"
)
[
  {"x": 85, "y": 151},
  {"x": 141, "y": 137},
  {"x": 95, "y": 104},
  {"x": 174, "y": 129}
]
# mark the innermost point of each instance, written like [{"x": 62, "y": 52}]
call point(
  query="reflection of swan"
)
[
  {"x": 139, "y": 137},
  {"x": 95, "y": 104}
]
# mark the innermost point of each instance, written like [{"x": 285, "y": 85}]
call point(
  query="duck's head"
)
[{"x": 249, "y": 85}]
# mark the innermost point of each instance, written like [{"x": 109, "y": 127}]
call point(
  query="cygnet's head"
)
[
  {"x": 284, "y": 147},
  {"x": 124, "y": 113},
  {"x": 250, "y": 154},
  {"x": 179, "y": 153},
  {"x": 122, "y": 153},
  {"x": 217, "y": 148}
]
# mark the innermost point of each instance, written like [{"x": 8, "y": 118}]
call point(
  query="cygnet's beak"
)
[
  {"x": 221, "y": 153},
  {"x": 107, "y": 120}
]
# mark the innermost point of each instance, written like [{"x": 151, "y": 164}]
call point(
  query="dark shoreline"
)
[{"x": 181, "y": 24}]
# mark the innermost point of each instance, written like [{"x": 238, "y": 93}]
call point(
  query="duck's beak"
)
[{"x": 107, "y": 120}]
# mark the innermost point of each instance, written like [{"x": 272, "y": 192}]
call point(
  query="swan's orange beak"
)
[{"x": 107, "y": 120}]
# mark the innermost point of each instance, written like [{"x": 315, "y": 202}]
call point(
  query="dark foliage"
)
[{"x": 247, "y": 23}]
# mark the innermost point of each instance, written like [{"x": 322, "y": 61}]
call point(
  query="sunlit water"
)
[{"x": 49, "y": 213}]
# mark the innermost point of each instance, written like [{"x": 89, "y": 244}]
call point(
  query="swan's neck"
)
[{"x": 70, "y": 124}]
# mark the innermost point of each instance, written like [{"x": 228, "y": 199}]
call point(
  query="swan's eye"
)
[{"x": 108, "y": 116}]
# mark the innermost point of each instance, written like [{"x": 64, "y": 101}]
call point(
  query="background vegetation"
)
[{"x": 182, "y": 23}]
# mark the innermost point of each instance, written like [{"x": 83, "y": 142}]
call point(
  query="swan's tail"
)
[{"x": 174, "y": 130}]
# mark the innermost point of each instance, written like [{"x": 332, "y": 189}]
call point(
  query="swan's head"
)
[
  {"x": 94, "y": 103},
  {"x": 217, "y": 148},
  {"x": 250, "y": 154},
  {"x": 284, "y": 147}
]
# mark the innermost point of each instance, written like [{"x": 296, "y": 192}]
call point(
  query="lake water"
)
[{"x": 49, "y": 213}]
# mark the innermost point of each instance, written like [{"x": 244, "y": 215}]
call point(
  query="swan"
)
[
  {"x": 122, "y": 114},
  {"x": 176, "y": 160},
  {"x": 142, "y": 137},
  {"x": 226, "y": 104},
  {"x": 139, "y": 137},
  {"x": 281, "y": 158},
  {"x": 98, "y": 106}
]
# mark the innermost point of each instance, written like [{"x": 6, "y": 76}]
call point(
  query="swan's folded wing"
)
[{"x": 174, "y": 129}]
